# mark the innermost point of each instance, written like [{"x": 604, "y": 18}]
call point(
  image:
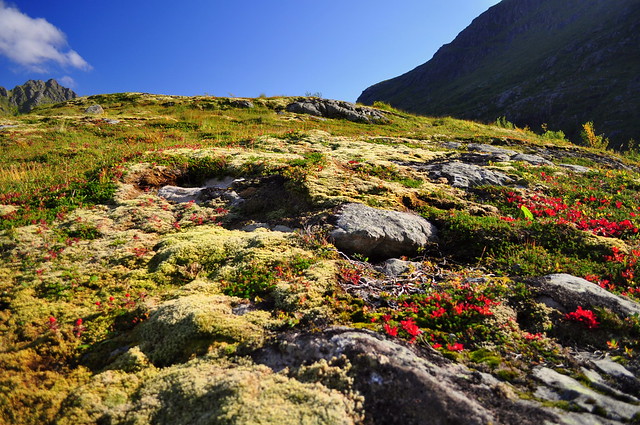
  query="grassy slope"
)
[{"x": 82, "y": 239}]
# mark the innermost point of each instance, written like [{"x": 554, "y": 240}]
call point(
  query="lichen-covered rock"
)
[
  {"x": 394, "y": 267},
  {"x": 181, "y": 328},
  {"x": 401, "y": 386},
  {"x": 464, "y": 176},
  {"x": 180, "y": 194},
  {"x": 561, "y": 387},
  {"x": 568, "y": 292},
  {"x": 380, "y": 233},
  {"x": 337, "y": 109},
  {"x": 94, "y": 110}
]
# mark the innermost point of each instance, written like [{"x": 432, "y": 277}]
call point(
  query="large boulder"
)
[
  {"x": 94, "y": 109},
  {"x": 337, "y": 109},
  {"x": 566, "y": 292},
  {"x": 380, "y": 233},
  {"x": 401, "y": 386}
]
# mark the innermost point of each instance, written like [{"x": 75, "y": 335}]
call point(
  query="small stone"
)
[{"x": 395, "y": 267}]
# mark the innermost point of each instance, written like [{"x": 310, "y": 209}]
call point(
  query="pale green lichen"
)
[
  {"x": 212, "y": 391},
  {"x": 181, "y": 328},
  {"x": 108, "y": 394},
  {"x": 202, "y": 392}
]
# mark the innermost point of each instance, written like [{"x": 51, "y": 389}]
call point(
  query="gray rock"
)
[
  {"x": 599, "y": 383},
  {"x": 94, "y": 109},
  {"x": 180, "y": 194},
  {"x": 255, "y": 226},
  {"x": 223, "y": 183},
  {"x": 337, "y": 109},
  {"x": 242, "y": 103},
  {"x": 452, "y": 145},
  {"x": 281, "y": 228},
  {"x": 395, "y": 267},
  {"x": 380, "y": 233},
  {"x": 464, "y": 176},
  {"x": 571, "y": 292},
  {"x": 565, "y": 388},
  {"x": 2, "y": 127},
  {"x": 576, "y": 168},
  {"x": 110, "y": 121},
  {"x": 481, "y": 147},
  {"x": 405, "y": 388},
  {"x": 531, "y": 159},
  {"x": 398, "y": 386}
]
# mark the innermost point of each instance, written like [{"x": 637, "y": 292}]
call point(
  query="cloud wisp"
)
[{"x": 34, "y": 43}]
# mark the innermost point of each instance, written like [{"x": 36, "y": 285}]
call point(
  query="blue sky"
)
[{"x": 223, "y": 48}]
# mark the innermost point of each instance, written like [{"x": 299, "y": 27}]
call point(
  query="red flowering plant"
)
[
  {"x": 620, "y": 273},
  {"x": 586, "y": 317},
  {"x": 600, "y": 203},
  {"x": 454, "y": 315}
]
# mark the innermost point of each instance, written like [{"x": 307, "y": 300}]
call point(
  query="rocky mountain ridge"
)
[
  {"x": 534, "y": 62},
  {"x": 25, "y": 97}
]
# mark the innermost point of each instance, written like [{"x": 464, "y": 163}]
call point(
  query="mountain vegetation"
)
[
  {"x": 538, "y": 63},
  {"x": 178, "y": 260}
]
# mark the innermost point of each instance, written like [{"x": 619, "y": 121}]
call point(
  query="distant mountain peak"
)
[
  {"x": 25, "y": 97},
  {"x": 560, "y": 63}
]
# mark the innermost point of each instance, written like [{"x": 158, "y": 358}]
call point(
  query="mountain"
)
[
  {"x": 562, "y": 63},
  {"x": 33, "y": 93}
]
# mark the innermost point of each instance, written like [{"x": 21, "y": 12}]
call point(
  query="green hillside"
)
[{"x": 121, "y": 303}]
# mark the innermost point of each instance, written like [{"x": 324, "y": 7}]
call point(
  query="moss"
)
[
  {"x": 210, "y": 391},
  {"x": 31, "y": 393},
  {"x": 181, "y": 328},
  {"x": 204, "y": 392},
  {"x": 108, "y": 394}
]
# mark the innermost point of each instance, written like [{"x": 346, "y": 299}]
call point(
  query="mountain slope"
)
[
  {"x": 560, "y": 63},
  {"x": 180, "y": 260},
  {"x": 33, "y": 93}
]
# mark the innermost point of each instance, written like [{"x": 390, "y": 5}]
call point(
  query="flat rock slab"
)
[
  {"x": 564, "y": 388},
  {"x": 380, "y": 233},
  {"x": 180, "y": 194},
  {"x": 464, "y": 176},
  {"x": 481, "y": 147},
  {"x": 337, "y": 109},
  {"x": 569, "y": 292}
]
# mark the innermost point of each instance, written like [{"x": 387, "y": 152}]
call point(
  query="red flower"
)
[
  {"x": 587, "y": 317},
  {"x": 438, "y": 312},
  {"x": 455, "y": 347},
  {"x": 532, "y": 337},
  {"x": 391, "y": 330},
  {"x": 410, "y": 326}
]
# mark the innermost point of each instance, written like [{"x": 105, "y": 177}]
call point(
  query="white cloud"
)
[
  {"x": 33, "y": 43},
  {"x": 67, "y": 81}
]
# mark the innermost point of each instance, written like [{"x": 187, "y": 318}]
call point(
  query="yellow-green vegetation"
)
[{"x": 119, "y": 306}]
